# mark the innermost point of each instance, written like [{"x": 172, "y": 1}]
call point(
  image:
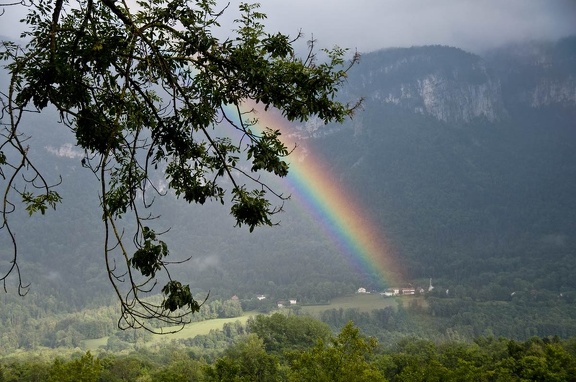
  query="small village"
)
[
  {"x": 400, "y": 291},
  {"x": 389, "y": 292}
]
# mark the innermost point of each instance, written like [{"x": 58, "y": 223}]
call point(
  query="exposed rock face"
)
[
  {"x": 447, "y": 99},
  {"x": 457, "y": 87},
  {"x": 446, "y": 83},
  {"x": 452, "y": 100},
  {"x": 549, "y": 92},
  {"x": 538, "y": 74}
]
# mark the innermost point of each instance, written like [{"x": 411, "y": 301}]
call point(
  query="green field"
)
[
  {"x": 94, "y": 343},
  {"x": 362, "y": 302},
  {"x": 198, "y": 328},
  {"x": 190, "y": 331}
]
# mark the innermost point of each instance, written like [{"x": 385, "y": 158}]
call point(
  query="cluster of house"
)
[
  {"x": 399, "y": 291},
  {"x": 390, "y": 292},
  {"x": 394, "y": 291},
  {"x": 281, "y": 304}
]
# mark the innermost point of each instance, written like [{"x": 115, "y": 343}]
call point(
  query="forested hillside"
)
[
  {"x": 280, "y": 348},
  {"x": 466, "y": 163}
]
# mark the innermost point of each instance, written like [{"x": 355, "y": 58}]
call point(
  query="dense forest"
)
[{"x": 295, "y": 348}]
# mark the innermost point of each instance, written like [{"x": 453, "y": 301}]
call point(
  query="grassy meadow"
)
[{"x": 362, "y": 302}]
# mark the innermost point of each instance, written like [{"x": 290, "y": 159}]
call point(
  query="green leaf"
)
[
  {"x": 148, "y": 258},
  {"x": 40, "y": 203},
  {"x": 178, "y": 296}
]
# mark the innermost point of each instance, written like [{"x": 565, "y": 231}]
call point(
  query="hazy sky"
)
[
  {"x": 471, "y": 24},
  {"x": 373, "y": 24}
]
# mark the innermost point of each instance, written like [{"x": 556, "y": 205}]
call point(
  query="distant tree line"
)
[
  {"x": 300, "y": 348},
  {"x": 26, "y": 329}
]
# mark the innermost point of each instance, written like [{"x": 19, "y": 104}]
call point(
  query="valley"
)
[{"x": 480, "y": 202}]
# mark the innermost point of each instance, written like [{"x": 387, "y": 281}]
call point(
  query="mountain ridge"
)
[
  {"x": 454, "y": 178},
  {"x": 456, "y": 86},
  {"x": 450, "y": 185}
]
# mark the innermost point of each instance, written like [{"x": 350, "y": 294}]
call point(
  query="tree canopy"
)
[{"x": 147, "y": 89}]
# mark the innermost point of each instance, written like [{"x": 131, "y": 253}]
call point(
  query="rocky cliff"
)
[
  {"x": 537, "y": 75},
  {"x": 454, "y": 86}
]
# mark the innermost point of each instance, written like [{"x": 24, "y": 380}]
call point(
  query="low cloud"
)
[
  {"x": 369, "y": 25},
  {"x": 67, "y": 150},
  {"x": 204, "y": 263}
]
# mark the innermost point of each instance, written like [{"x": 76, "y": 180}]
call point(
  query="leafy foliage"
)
[
  {"x": 178, "y": 297},
  {"x": 85, "y": 369},
  {"x": 344, "y": 358},
  {"x": 281, "y": 333},
  {"x": 147, "y": 90},
  {"x": 347, "y": 356},
  {"x": 245, "y": 361},
  {"x": 148, "y": 258},
  {"x": 40, "y": 202}
]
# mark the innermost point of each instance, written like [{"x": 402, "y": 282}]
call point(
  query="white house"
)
[
  {"x": 390, "y": 292},
  {"x": 408, "y": 291}
]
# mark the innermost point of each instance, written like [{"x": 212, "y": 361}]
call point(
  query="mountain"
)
[
  {"x": 455, "y": 86},
  {"x": 444, "y": 82},
  {"x": 467, "y": 163},
  {"x": 537, "y": 75}
]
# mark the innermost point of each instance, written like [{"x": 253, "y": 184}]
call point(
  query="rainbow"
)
[{"x": 344, "y": 219}]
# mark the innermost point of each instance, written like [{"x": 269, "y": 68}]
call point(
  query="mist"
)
[{"x": 369, "y": 25}]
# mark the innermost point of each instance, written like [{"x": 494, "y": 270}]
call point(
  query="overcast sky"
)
[
  {"x": 369, "y": 25},
  {"x": 470, "y": 24}
]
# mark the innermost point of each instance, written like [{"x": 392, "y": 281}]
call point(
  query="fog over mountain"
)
[{"x": 369, "y": 25}]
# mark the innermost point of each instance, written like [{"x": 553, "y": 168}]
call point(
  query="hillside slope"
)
[{"x": 467, "y": 163}]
